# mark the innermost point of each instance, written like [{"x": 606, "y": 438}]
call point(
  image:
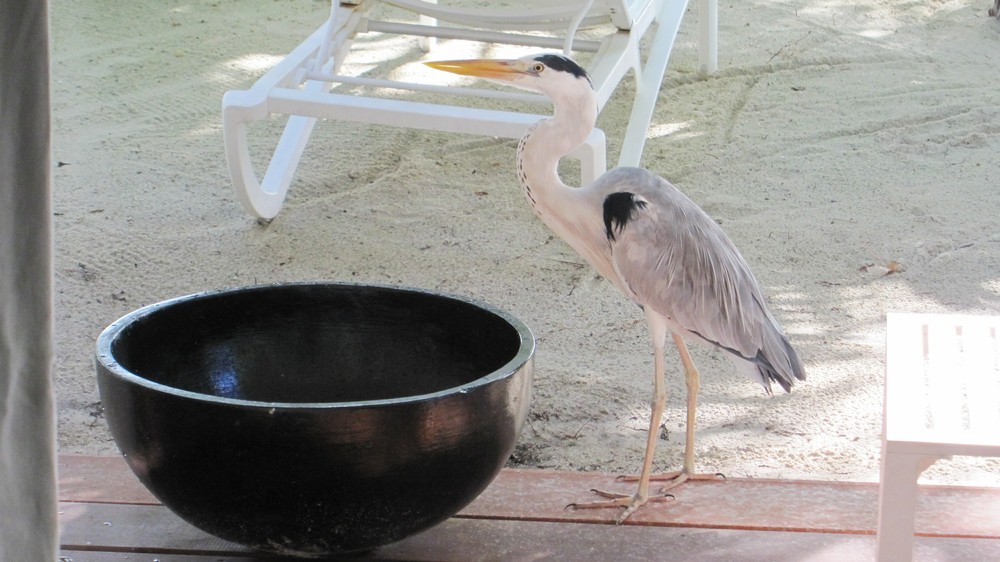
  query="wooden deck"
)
[{"x": 107, "y": 515}]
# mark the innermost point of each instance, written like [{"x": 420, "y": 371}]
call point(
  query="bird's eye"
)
[{"x": 539, "y": 67}]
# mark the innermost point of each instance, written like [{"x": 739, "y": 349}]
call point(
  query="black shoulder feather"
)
[{"x": 619, "y": 209}]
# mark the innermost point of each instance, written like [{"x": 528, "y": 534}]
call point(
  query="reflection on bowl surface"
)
[{"x": 314, "y": 419}]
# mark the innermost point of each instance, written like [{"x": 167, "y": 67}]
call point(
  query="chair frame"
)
[{"x": 303, "y": 85}]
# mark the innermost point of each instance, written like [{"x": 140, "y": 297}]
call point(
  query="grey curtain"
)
[{"x": 28, "y": 526}]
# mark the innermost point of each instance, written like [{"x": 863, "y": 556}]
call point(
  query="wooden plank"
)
[
  {"x": 132, "y": 527},
  {"x": 769, "y": 505},
  {"x": 142, "y": 532},
  {"x": 100, "y": 479},
  {"x": 542, "y": 495},
  {"x": 139, "y": 556}
]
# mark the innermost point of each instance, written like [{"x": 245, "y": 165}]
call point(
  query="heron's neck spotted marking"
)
[
  {"x": 522, "y": 175},
  {"x": 619, "y": 209}
]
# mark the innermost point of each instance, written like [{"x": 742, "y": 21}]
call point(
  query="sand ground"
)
[{"x": 836, "y": 138}]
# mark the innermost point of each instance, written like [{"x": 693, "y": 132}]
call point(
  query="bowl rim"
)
[{"x": 107, "y": 361}]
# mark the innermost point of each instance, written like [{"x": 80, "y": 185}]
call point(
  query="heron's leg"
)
[
  {"x": 641, "y": 496},
  {"x": 692, "y": 380}
]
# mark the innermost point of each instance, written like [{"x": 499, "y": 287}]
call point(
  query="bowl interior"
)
[{"x": 316, "y": 343}]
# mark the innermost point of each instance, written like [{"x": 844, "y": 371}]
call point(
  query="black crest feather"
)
[{"x": 563, "y": 64}]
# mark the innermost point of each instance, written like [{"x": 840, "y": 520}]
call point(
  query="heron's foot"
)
[
  {"x": 675, "y": 478},
  {"x": 630, "y": 502}
]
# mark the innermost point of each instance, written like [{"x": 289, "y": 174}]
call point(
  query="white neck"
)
[
  {"x": 542, "y": 147},
  {"x": 567, "y": 211}
]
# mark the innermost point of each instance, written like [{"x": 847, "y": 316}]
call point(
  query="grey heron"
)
[{"x": 652, "y": 242}]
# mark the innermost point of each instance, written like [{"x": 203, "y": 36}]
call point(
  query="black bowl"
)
[{"x": 316, "y": 419}]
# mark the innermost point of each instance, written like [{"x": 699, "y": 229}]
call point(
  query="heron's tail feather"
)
[{"x": 781, "y": 366}]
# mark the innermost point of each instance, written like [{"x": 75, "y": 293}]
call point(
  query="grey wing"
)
[{"x": 674, "y": 258}]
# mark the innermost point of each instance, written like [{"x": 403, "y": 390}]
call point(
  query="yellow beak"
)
[{"x": 494, "y": 69}]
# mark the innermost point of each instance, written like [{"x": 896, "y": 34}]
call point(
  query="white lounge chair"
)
[
  {"x": 306, "y": 84},
  {"x": 942, "y": 398}
]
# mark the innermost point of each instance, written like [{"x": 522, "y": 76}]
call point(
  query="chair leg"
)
[
  {"x": 427, "y": 43},
  {"x": 262, "y": 199},
  {"x": 648, "y": 82},
  {"x": 593, "y": 157},
  {"x": 708, "y": 42},
  {"x": 897, "y": 503}
]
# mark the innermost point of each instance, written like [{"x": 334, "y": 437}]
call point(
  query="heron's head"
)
[{"x": 556, "y": 76}]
